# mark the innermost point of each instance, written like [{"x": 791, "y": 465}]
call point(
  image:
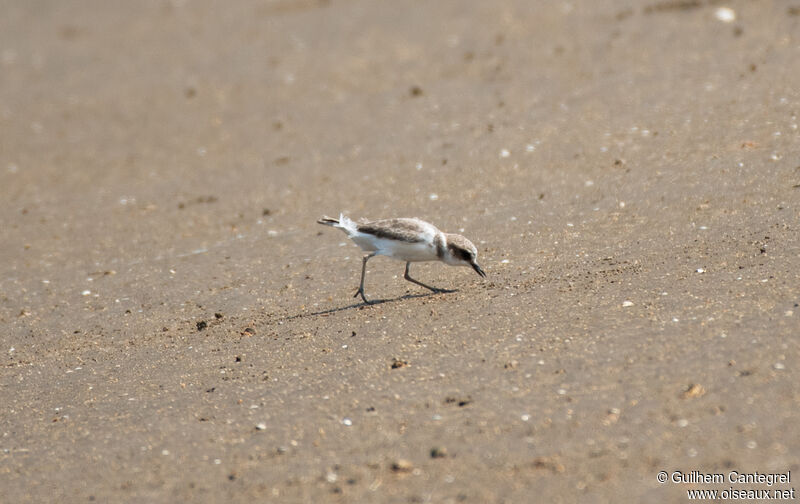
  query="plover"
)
[{"x": 409, "y": 240}]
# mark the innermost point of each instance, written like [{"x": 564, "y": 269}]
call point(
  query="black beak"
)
[{"x": 478, "y": 269}]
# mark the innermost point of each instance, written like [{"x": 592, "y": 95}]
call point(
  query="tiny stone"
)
[
  {"x": 725, "y": 14},
  {"x": 398, "y": 363},
  {"x": 694, "y": 390},
  {"x": 779, "y": 365},
  {"x": 438, "y": 452},
  {"x": 202, "y": 325},
  {"x": 612, "y": 417},
  {"x": 627, "y": 303},
  {"x": 347, "y": 422},
  {"x": 549, "y": 463},
  {"x": 402, "y": 466}
]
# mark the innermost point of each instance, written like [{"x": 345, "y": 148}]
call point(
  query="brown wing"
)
[{"x": 406, "y": 230}]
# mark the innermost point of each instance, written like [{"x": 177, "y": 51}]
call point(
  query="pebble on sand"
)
[
  {"x": 550, "y": 463},
  {"x": 402, "y": 466},
  {"x": 398, "y": 363},
  {"x": 725, "y": 14},
  {"x": 694, "y": 390},
  {"x": 438, "y": 452}
]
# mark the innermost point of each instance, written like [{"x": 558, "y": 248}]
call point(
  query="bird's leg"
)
[
  {"x": 434, "y": 289},
  {"x": 363, "y": 274}
]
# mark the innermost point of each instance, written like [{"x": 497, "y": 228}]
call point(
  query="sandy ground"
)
[{"x": 175, "y": 327}]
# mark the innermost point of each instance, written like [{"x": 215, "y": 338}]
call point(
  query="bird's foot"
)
[{"x": 360, "y": 292}]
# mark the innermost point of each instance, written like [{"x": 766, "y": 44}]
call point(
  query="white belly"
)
[{"x": 404, "y": 251}]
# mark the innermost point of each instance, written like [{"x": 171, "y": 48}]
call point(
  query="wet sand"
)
[{"x": 175, "y": 327}]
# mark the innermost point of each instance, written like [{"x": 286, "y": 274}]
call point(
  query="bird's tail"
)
[
  {"x": 328, "y": 221},
  {"x": 343, "y": 223}
]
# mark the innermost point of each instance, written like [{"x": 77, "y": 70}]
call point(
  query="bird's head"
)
[{"x": 461, "y": 252}]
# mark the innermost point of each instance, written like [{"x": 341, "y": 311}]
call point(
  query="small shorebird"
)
[{"x": 409, "y": 240}]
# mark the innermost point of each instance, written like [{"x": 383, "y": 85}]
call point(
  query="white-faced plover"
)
[{"x": 409, "y": 240}]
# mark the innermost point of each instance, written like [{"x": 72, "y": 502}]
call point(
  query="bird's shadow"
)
[{"x": 373, "y": 302}]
